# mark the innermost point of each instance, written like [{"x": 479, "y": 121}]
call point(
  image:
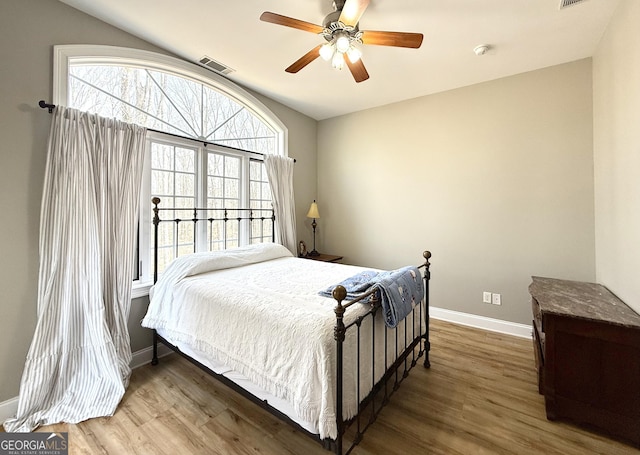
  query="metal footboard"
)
[{"x": 404, "y": 358}]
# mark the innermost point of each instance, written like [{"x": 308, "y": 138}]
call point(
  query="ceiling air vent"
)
[
  {"x": 568, "y": 3},
  {"x": 214, "y": 65}
]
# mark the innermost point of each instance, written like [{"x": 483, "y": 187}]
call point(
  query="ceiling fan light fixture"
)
[
  {"x": 337, "y": 61},
  {"x": 343, "y": 43},
  {"x": 327, "y": 51},
  {"x": 354, "y": 54}
]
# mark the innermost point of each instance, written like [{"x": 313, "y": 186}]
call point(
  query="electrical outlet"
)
[
  {"x": 486, "y": 297},
  {"x": 496, "y": 299}
]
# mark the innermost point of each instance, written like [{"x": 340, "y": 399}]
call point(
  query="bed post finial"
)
[
  {"x": 339, "y": 293},
  {"x": 156, "y": 218},
  {"x": 427, "y": 255},
  {"x": 427, "y": 273}
]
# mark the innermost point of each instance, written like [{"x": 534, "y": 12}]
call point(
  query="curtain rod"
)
[{"x": 44, "y": 105}]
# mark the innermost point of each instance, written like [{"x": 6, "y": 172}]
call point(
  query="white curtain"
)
[
  {"x": 78, "y": 363},
  {"x": 280, "y": 174}
]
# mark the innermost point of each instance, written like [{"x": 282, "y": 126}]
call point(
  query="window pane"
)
[
  {"x": 185, "y": 249},
  {"x": 165, "y": 235},
  {"x": 215, "y": 187},
  {"x": 265, "y": 191},
  {"x": 187, "y": 202},
  {"x": 255, "y": 170},
  {"x": 215, "y": 204},
  {"x": 185, "y": 234},
  {"x": 161, "y": 183},
  {"x": 260, "y": 198},
  {"x": 232, "y": 167},
  {"x": 232, "y": 203},
  {"x": 161, "y": 156},
  {"x": 215, "y": 164},
  {"x": 231, "y": 189},
  {"x": 232, "y": 230},
  {"x": 216, "y": 230},
  {"x": 185, "y": 185},
  {"x": 165, "y": 256},
  {"x": 256, "y": 228},
  {"x": 185, "y": 160},
  {"x": 254, "y": 190}
]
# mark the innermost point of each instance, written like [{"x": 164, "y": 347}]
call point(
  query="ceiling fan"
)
[{"x": 342, "y": 35}]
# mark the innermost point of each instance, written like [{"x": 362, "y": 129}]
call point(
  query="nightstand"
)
[{"x": 324, "y": 258}]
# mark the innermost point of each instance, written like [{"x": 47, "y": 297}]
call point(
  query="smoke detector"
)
[{"x": 481, "y": 49}]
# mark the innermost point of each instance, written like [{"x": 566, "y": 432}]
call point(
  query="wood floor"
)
[{"x": 479, "y": 397}]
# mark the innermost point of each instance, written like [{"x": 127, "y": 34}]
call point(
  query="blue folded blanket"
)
[
  {"x": 355, "y": 285},
  {"x": 400, "y": 290}
]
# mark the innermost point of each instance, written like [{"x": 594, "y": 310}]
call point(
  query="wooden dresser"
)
[{"x": 587, "y": 352}]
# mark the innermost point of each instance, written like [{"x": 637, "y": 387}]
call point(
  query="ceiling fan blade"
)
[
  {"x": 396, "y": 39},
  {"x": 358, "y": 71},
  {"x": 352, "y": 11},
  {"x": 290, "y": 22},
  {"x": 304, "y": 60}
]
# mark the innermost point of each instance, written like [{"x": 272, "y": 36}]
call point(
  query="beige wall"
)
[
  {"x": 495, "y": 179},
  {"x": 616, "y": 106},
  {"x": 28, "y": 30}
]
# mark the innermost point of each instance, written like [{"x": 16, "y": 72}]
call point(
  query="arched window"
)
[
  {"x": 206, "y": 141},
  {"x": 165, "y": 94}
]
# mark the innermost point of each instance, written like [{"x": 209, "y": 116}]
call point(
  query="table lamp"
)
[{"x": 313, "y": 213}]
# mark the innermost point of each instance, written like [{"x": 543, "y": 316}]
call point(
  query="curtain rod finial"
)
[{"x": 45, "y": 105}]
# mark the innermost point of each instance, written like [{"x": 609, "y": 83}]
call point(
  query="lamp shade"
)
[{"x": 313, "y": 211}]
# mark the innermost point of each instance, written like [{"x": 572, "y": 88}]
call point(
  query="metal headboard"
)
[{"x": 209, "y": 215}]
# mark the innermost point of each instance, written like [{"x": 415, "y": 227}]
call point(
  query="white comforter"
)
[{"x": 257, "y": 310}]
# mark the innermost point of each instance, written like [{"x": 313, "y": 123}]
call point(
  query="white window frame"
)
[
  {"x": 202, "y": 151},
  {"x": 64, "y": 55}
]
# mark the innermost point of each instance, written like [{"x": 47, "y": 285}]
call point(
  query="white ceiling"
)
[{"x": 524, "y": 35}]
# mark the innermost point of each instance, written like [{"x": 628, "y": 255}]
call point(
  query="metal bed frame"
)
[{"x": 370, "y": 407}]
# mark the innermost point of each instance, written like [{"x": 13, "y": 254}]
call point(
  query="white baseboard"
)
[
  {"x": 481, "y": 322},
  {"x": 144, "y": 356},
  {"x": 8, "y": 409},
  {"x": 139, "y": 358}
]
